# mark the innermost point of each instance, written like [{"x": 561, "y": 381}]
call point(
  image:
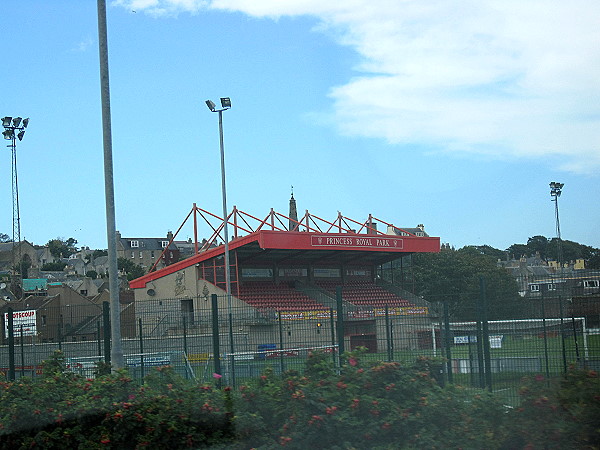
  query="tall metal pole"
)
[
  {"x": 225, "y": 227},
  {"x": 226, "y": 237},
  {"x": 117, "y": 359}
]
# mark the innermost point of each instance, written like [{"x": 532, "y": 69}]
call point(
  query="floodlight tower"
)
[
  {"x": 15, "y": 129},
  {"x": 555, "y": 191},
  {"x": 225, "y": 105}
]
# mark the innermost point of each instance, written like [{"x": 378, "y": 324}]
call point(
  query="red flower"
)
[
  {"x": 331, "y": 410},
  {"x": 283, "y": 440},
  {"x": 352, "y": 362}
]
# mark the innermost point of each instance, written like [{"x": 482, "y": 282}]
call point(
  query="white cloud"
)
[
  {"x": 507, "y": 79},
  {"x": 83, "y": 45}
]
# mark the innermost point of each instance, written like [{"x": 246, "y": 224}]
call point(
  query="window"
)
[
  {"x": 135, "y": 244},
  {"x": 551, "y": 287},
  {"x": 534, "y": 287},
  {"x": 152, "y": 254},
  {"x": 83, "y": 292},
  {"x": 141, "y": 254},
  {"x": 591, "y": 283},
  {"x": 133, "y": 254},
  {"x": 164, "y": 244}
]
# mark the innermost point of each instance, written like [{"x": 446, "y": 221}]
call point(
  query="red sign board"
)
[{"x": 361, "y": 241}]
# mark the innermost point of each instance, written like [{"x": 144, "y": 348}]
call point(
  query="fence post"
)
[
  {"x": 480, "y": 364},
  {"x": 22, "y": 354},
  {"x": 447, "y": 341},
  {"x": 545, "y": 338},
  {"x": 332, "y": 328},
  {"x": 11, "y": 346},
  {"x": 106, "y": 326},
  {"x": 142, "y": 369},
  {"x": 215, "y": 332},
  {"x": 99, "y": 338},
  {"x": 486, "y": 333},
  {"x": 388, "y": 334},
  {"x": 562, "y": 333},
  {"x": 185, "y": 349},
  {"x": 340, "y": 322},
  {"x": 281, "y": 364}
]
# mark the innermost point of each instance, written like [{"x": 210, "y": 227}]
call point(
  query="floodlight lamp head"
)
[
  {"x": 25, "y": 122},
  {"x": 211, "y": 105},
  {"x": 20, "y": 135},
  {"x": 16, "y": 122},
  {"x": 8, "y": 134},
  {"x": 6, "y": 121},
  {"x": 556, "y": 189},
  {"x": 226, "y": 102}
]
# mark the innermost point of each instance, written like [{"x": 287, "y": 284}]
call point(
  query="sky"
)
[{"x": 452, "y": 114}]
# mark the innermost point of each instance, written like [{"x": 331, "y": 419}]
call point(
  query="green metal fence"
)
[{"x": 218, "y": 340}]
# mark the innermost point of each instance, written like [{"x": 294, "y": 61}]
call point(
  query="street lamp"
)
[
  {"x": 14, "y": 128},
  {"x": 225, "y": 105}
]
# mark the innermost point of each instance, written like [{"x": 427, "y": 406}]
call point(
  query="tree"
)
[
  {"x": 98, "y": 253},
  {"x": 515, "y": 251},
  {"x": 61, "y": 248},
  {"x": 538, "y": 244},
  {"x": 92, "y": 274},
  {"x": 132, "y": 269},
  {"x": 454, "y": 276}
]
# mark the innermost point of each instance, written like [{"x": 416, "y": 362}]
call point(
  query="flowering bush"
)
[
  {"x": 357, "y": 405},
  {"x": 559, "y": 413},
  {"x": 367, "y": 406},
  {"x": 63, "y": 410}
]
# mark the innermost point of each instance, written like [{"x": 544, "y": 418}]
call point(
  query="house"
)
[
  {"x": 146, "y": 252},
  {"x": 25, "y": 250},
  {"x": 419, "y": 231},
  {"x": 65, "y": 315}
]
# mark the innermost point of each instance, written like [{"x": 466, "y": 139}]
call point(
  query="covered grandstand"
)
[
  {"x": 287, "y": 264},
  {"x": 289, "y": 268}
]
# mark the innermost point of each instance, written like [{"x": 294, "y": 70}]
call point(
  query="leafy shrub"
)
[
  {"x": 64, "y": 410},
  {"x": 357, "y": 405},
  {"x": 558, "y": 413},
  {"x": 365, "y": 406}
]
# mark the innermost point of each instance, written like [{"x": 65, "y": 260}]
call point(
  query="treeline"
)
[
  {"x": 455, "y": 275},
  {"x": 547, "y": 249}
]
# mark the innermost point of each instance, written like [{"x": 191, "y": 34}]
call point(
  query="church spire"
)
[{"x": 293, "y": 213}]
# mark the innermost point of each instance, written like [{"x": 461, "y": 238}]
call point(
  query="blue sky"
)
[{"x": 452, "y": 114}]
